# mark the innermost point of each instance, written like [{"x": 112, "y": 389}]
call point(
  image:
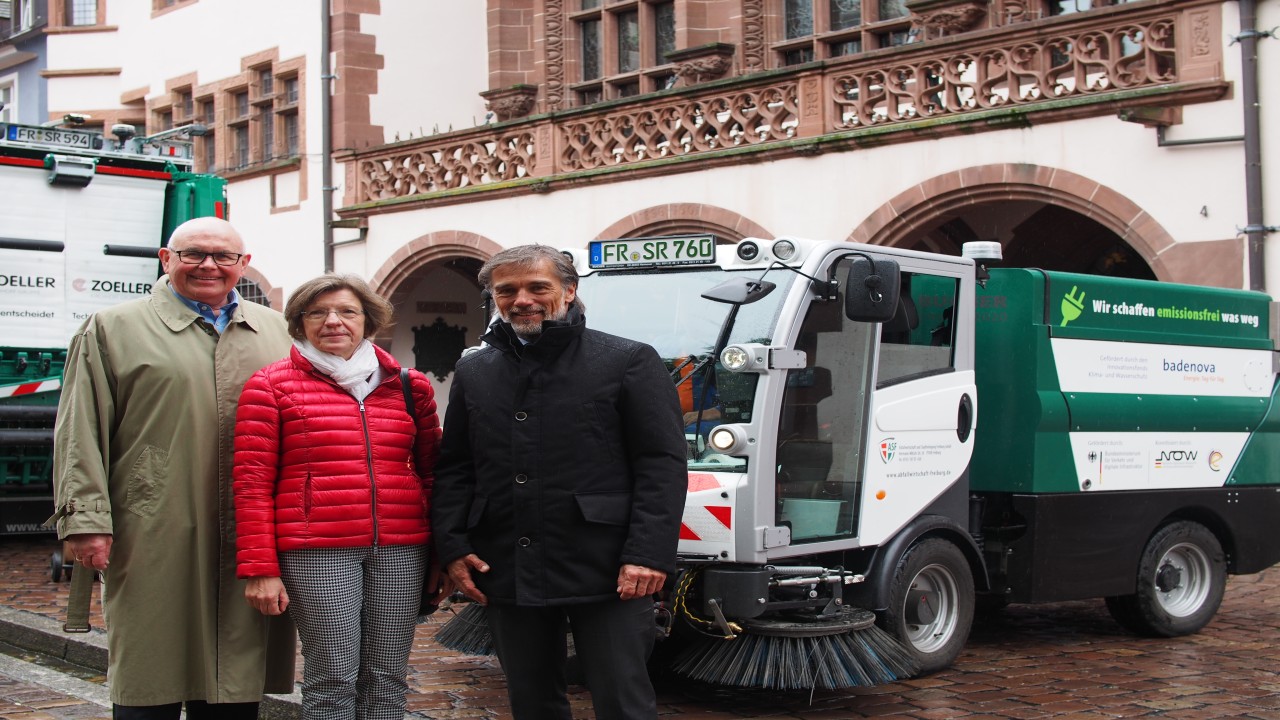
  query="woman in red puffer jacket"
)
[{"x": 332, "y": 485}]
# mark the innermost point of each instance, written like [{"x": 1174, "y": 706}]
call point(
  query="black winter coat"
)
[{"x": 561, "y": 461}]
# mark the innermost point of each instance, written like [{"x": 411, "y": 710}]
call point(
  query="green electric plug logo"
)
[{"x": 1072, "y": 306}]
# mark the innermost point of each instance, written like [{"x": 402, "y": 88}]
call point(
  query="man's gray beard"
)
[{"x": 531, "y": 332}]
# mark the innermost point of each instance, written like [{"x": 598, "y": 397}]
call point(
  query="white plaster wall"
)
[
  {"x": 92, "y": 92},
  {"x": 436, "y": 65}
]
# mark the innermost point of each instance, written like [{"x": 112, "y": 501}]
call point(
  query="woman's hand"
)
[{"x": 267, "y": 595}]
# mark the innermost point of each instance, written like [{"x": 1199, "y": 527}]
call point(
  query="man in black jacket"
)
[{"x": 559, "y": 490}]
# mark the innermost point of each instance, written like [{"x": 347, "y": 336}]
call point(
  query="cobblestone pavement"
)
[{"x": 1066, "y": 660}]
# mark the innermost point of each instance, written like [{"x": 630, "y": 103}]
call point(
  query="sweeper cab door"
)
[{"x": 878, "y": 423}]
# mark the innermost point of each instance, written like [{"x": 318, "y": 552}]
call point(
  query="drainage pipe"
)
[
  {"x": 1255, "y": 232},
  {"x": 326, "y": 138}
]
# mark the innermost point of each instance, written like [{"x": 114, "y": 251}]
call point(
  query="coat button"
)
[
  {"x": 522, "y": 479},
  {"x": 521, "y": 416},
  {"x": 524, "y": 542}
]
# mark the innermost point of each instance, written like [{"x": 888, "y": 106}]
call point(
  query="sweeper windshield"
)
[{"x": 665, "y": 309}]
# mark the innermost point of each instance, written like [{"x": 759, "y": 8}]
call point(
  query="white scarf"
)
[{"x": 359, "y": 375}]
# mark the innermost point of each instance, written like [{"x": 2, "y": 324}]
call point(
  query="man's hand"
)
[
  {"x": 637, "y": 581},
  {"x": 460, "y": 574},
  {"x": 267, "y": 595},
  {"x": 92, "y": 550}
]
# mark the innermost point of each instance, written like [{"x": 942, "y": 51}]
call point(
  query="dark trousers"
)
[
  {"x": 613, "y": 640},
  {"x": 196, "y": 710}
]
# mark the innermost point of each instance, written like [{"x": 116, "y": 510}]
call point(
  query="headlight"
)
[
  {"x": 748, "y": 250},
  {"x": 735, "y": 358},
  {"x": 721, "y": 440},
  {"x": 730, "y": 440},
  {"x": 784, "y": 250}
]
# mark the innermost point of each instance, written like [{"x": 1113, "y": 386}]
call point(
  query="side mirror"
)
[
  {"x": 871, "y": 289},
  {"x": 739, "y": 291}
]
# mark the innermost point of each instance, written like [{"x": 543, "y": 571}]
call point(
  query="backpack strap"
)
[{"x": 408, "y": 393}]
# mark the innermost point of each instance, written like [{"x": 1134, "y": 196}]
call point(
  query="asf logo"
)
[{"x": 888, "y": 447}]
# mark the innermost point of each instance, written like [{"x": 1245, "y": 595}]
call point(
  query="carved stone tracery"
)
[
  {"x": 1071, "y": 59},
  {"x": 553, "y": 47},
  {"x": 753, "y": 35}
]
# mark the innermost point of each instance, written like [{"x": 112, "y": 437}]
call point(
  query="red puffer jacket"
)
[{"x": 315, "y": 468}]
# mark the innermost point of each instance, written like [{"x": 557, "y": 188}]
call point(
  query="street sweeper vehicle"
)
[
  {"x": 880, "y": 440},
  {"x": 82, "y": 217}
]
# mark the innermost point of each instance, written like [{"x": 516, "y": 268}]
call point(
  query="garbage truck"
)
[
  {"x": 81, "y": 222},
  {"x": 882, "y": 440}
]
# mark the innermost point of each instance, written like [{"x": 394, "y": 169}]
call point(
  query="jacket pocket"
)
[
  {"x": 306, "y": 497},
  {"x": 142, "y": 493},
  {"x": 606, "y": 508},
  {"x": 477, "y": 512}
]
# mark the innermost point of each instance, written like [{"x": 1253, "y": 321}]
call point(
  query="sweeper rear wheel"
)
[
  {"x": 931, "y": 603},
  {"x": 1181, "y": 578}
]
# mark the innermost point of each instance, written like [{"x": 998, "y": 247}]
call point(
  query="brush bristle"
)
[
  {"x": 467, "y": 632},
  {"x": 861, "y": 658}
]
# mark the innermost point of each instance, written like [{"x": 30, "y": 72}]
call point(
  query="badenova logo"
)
[
  {"x": 888, "y": 447},
  {"x": 1215, "y": 461},
  {"x": 1182, "y": 366}
]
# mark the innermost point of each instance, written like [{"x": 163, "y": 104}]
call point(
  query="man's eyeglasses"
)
[
  {"x": 195, "y": 257},
  {"x": 317, "y": 316}
]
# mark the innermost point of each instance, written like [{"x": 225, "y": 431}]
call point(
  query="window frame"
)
[
  {"x": 871, "y": 33},
  {"x": 615, "y": 79}
]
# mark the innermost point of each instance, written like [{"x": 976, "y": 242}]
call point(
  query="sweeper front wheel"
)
[{"x": 931, "y": 603}]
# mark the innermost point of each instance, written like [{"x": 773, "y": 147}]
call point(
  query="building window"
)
[
  {"x": 16, "y": 17},
  {"x": 259, "y": 121},
  {"x": 81, "y": 12},
  {"x": 252, "y": 292},
  {"x": 290, "y": 90},
  {"x": 241, "y": 149},
  {"x": 164, "y": 121},
  {"x": 628, "y": 28},
  {"x": 819, "y": 29},
  {"x": 8, "y": 110},
  {"x": 590, "y": 33},
  {"x": 267, "y": 133},
  {"x": 622, "y": 48},
  {"x": 289, "y": 122},
  {"x": 846, "y": 14},
  {"x": 184, "y": 105},
  {"x": 890, "y": 9},
  {"x": 798, "y": 19},
  {"x": 664, "y": 31},
  {"x": 209, "y": 152}
]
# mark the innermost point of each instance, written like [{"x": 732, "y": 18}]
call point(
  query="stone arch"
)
[
  {"x": 677, "y": 217},
  {"x": 896, "y": 221},
  {"x": 427, "y": 249},
  {"x": 275, "y": 295}
]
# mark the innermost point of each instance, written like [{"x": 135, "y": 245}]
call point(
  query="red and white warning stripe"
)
[
  {"x": 706, "y": 523},
  {"x": 30, "y": 388}
]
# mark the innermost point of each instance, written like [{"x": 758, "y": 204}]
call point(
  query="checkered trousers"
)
[{"x": 355, "y": 609}]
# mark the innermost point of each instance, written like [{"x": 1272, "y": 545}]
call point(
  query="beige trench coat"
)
[{"x": 143, "y": 451}]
